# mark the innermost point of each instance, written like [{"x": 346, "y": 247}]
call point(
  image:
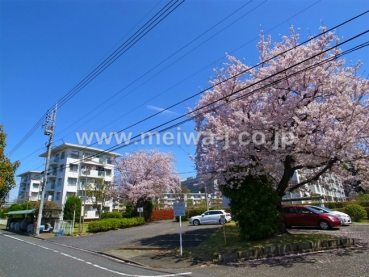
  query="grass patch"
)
[
  {"x": 215, "y": 244},
  {"x": 363, "y": 221}
]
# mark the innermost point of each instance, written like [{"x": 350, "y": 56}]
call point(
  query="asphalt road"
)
[
  {"x": 56, "y": 262},
  {"x": 27, "y": 256},
  {"x": 156, "y": 234}
]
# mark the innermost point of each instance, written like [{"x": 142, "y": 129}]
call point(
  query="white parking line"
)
[{"x": 95, "y": 265}]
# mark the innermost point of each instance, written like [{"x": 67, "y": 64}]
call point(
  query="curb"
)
[
  {"x": 282, "y": 250},
  {"x": 146, "y": 248}
]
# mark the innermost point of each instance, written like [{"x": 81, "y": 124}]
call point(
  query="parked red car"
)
[{"x": 297, "y": 215}]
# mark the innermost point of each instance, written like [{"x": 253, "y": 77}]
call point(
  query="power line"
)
[
  {"x": 258, "y": 82},
  {"x": 202, "y": 91},
  {"x": 163, "y": 13},
  {"x": 183, "y": 57},
  {"x": 355, "y": 48},
  {"x": 114, "y": 148},
  {"x": 137, "y": 36},
  {"x": 160, "y": 63},
  {"x": 243, "y": 72},
  {"x": 343, "y": 23}
]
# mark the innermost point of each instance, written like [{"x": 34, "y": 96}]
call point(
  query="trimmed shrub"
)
[
  {"x": 130, "y": 211},
  {"x": 356, "y": 212},
  {"x": 340, "y": 210},
  {"x": 253, "y": 204},
  {"x": 367, "y": 212},
  {"x": 69, "y": 208},
  {"x": 111, "y": 215},
  {"x": 162, "y": 215},
  {"x": 335, "y": 205},
  {"x": 114, "y": 223}
]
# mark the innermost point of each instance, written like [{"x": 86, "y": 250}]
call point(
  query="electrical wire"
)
[
  {"x": 190, "y": 118},
  {"x": 355, "y": 48},
  {"x": 345, "y": 22},
  {"x": 146, "y": 28},
  {"x": 160, "y": 63},
  {"x": 239, "y": 74}
]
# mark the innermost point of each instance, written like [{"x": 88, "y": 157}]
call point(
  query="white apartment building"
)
[
  {"x": 327, "y": 187},
  {"x": 167, "y": 200},
  {"x": 72, "y": 169},
  {"x": 30, "y": 186}
]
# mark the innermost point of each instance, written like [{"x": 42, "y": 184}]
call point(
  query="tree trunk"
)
[{"x": 280, "y": 224}]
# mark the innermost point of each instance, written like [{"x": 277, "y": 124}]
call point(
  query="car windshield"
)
[
  {"x": 314, "y": 210},
  {"x": 324, "y": 209}
]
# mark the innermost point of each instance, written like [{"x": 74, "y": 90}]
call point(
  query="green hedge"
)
[
  {"x": 111, "y": 215},
  {"x": 114, "y": 223},
  {"x": 367, "y": 212},
  {"x": 348, "y": 203},
  {"x": 356, "y": 212}
]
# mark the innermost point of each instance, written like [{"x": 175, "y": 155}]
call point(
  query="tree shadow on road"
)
[
  {"x": 307, "y": 258},
  {"x": 171, "y": 241},
  {"x": 166, "y": 247}
]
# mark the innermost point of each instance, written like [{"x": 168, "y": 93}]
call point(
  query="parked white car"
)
[
  {"x": 345, "y": 218},
  {"x": 210, "y": 217}
]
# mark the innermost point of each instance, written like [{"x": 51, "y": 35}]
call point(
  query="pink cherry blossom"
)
[
  {"x": 314, "y": 115},
  {"x": 145, "y": 175}
]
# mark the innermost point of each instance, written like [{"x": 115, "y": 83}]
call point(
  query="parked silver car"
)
[
  {"x": 210, "y": 217},
  {"x": 345, "y": 218}
]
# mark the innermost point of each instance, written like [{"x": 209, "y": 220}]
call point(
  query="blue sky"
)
[{"x": 47, "y": 47}]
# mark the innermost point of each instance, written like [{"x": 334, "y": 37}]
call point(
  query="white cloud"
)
[{"x": 164, "y": 111}]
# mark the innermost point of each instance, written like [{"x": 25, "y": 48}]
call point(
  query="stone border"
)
[{"x": 281, "y": 250}]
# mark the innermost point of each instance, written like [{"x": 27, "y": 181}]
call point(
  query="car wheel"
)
[
  {"x": 221, "y": 222},
  {"x": 196, "y": 222},
  {"x": 324, "y": 225}
]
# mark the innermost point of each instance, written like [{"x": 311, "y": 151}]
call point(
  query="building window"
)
[
  {"x": 62, "y": 156},
  {"x": 73, "y": 167},
  {"x": 56, "y": 158},
  {"x": 57, "y": 196},
  {"x": 60, "y": 182},
  {"x": 72, "y": 181},
  {"x": 54, "y": 169},
  {"x": 88, "y": 156},
  {"x": 108, "y": 172},
  {"x": 74, "y": 154},
  {"x": 52, "y": 186},
  {"x": 61, "y": 168}
]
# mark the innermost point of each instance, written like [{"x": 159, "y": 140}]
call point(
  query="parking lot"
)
[
  {"x": 161, "y": 234},
  {"x": 337, "y": 262}
]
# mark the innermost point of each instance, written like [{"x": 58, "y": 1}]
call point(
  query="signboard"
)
[
  {"x": 179, "y": 209},
  {"x": 140, "y": 209}
]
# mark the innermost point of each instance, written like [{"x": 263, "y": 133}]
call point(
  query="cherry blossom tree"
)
[
  {"x": 143, "y": 175},
  {"x": 300, "y": 108}
]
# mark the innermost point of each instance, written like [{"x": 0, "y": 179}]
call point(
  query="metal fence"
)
[{"x": 64, "y": 225}]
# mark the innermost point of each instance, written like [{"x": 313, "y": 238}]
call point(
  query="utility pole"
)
[{"x": 49, "y": 127}]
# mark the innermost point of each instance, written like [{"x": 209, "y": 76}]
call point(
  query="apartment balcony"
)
[{"x": 54, "y": 161}]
